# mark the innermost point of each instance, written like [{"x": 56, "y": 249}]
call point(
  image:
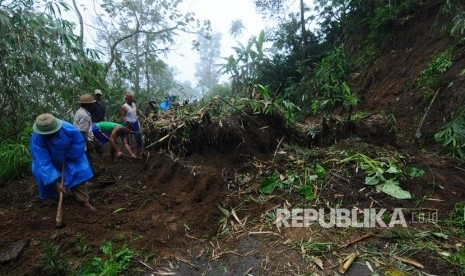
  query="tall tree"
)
[
  {"x": 188, "y": 92},
  {"x": 235, "y": 30},
  {"x": 207, "y": 71},
  {"x": 276, "y": 8},
  {"x": 81, "y": 25},
  {"x": 284, "y": 67},
  {"x": 136, "y": 30}
]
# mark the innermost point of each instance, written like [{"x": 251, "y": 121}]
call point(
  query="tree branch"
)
[{"x": 115, "y": 44}]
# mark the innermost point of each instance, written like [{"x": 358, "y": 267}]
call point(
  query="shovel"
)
[{"x": 59, "y": 222}]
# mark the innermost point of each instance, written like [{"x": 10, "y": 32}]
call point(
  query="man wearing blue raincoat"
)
[
  {"x": 54, "y": 144},
  {"x": 166, "y": 104}
]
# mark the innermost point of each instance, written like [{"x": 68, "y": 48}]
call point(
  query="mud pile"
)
[{"x": 237, "y": 133}]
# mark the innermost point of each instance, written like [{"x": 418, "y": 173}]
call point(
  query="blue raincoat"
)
[
  {"x": 48, "y": 155},
  {"x": 166, "y": 104}
]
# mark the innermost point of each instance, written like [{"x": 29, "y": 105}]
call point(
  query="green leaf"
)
[
  {"x": 372, "y": 180},
  {"x": 307, "y": 191},
  {"x": 291, "y": 180},
  {"x": 268, "y": 185},
  {"x": 440, "y": 235},
  {"x": 312, "y": 178},
  {"x": 96, "y": 262},
  {"x": 379, "y": 170},
  {"x": 319, "y": 170},
  {"x": 392, "y": 188},
  {"x": 392, "y": 169},
  {"x": 414, "y": 172},
  {"x": 107, "y": 248}
]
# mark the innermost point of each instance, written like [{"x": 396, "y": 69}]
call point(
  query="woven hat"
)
[
  {"x": 153, "y": 100},
  {"x": 46, "y": 124},
  {"x": 86, "y": 99},
  {"x": 98, "y": 91}
]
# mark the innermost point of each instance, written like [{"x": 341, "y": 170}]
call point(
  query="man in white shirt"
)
[
  {"x": 83, "y": 122},
  {"x": 129, "y": 112}
]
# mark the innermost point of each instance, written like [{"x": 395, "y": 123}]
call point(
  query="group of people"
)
[{"x": 61, "y": 151}]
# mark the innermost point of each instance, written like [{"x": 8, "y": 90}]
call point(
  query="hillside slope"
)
[{"x": 387, "y": 84}]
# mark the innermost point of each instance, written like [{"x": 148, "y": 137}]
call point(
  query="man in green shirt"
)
[{"x": 108, "y": 132}]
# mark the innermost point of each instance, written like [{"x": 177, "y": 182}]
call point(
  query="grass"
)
[
  {"x": 359, "y": 116},
  {"x": 14, "y": 161},
  {"x": 440, "y": 239},
  {"x": 458, "y": 257},
  {"x": 53, "y": 259},
  {"x": 81, "y": 246},
  {"x": 270, "y": 218},
  {"x": 458, "y": 217},
  {"x": 314, "y": 247},
  {"x": 112, "y": 262},
  {"x": 15, "y": 158}
]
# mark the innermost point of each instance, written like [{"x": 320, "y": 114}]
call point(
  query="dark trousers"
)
[{"x": 137, "y": 134}]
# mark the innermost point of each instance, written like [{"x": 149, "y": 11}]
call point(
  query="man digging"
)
[{"x": 58, "y": 149}]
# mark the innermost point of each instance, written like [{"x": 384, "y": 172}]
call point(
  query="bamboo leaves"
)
[
  {"x": 452, "y": 136},
  {"x": 302, "y": 181},
  {"x": 39, "y": 51}
]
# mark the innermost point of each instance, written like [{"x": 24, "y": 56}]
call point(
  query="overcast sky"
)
[{"x": 221, "y": 13}]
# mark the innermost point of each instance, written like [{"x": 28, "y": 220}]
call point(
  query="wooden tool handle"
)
[
  {"x": 60, "y": 202},
  {"x": 60, "y": 210}
]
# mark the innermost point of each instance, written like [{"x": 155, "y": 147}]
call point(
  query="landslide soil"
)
[
  {"x": 167, "y": 208},
  {"x": 157, "y": 204}
]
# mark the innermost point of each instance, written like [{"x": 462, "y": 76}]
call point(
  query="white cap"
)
[{"x": 98, "y": 91}]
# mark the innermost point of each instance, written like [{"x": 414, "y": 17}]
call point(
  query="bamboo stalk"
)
[
  {"x": 418, "y": 132},
  {"x": 350, "y": 259},
  {"x": 409, "y": 262},
  {"x": 359, "y": 239},
  {"x": 186, "y": 262},
  {"x": 263, "y": 233},
  {"x": 164, "y": 137}
]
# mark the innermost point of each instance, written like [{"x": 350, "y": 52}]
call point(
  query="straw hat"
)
[
  {"x": 46, "y": 124},
  {"x": 86, "y": 99}
]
